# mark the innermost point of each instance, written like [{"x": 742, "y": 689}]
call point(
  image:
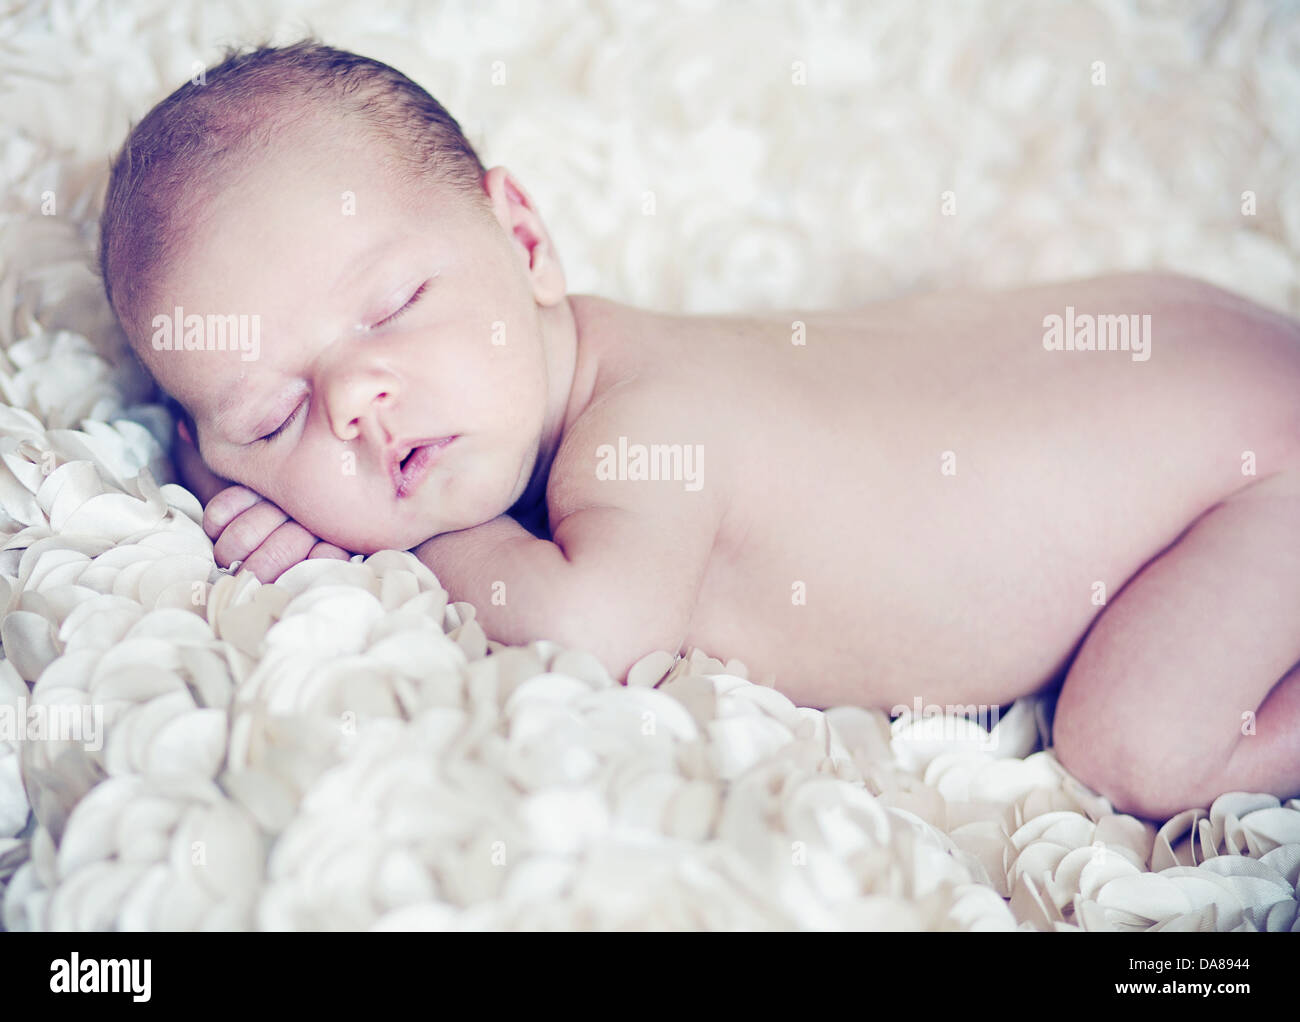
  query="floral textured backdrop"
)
[{"x": 689, "y": 156}]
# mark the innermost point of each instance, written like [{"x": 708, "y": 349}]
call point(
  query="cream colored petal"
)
[
  {"x": 457, "y": 614},
  {"x": 184, "y": 905},
  {"x": 1286, "y": 860},
  {"x": 267, "y": 798},
  {"x": 736, "y": 744},
  {"x": 1203, "y": 887},
  {"x": 73, "y": 670},
  {"x": 221, "y": 848},
  {"x": 650, "y": 669},
  {"x": 134, "y": 683},
  {"x": 417, "y": 612},
  {"x": 1283, "y": 917},
  {"x": 91, "y": 898},
  {"x": 544, "y": 688},
  {"x": 1238, "y": 804},
  {"x": 122, "y": 554},
  {"x": 1155, "y": 897},
  {"x": 184, "y": 501},
  {"x": 951, "y": 774},
  {"x": 1163, "y": 853},
  {"x": 99, "y": 623},
  {"x": 127, "y": 581},
  {"x": 401, "y": 879},
  {"x": 581, "y": 665},
  {"x": 173, "y": 627},
  {"x": 470, "y": 637},
  {"x": 1098, "y": 919},
  {"x": 143, "y": 829},
  {"x": 134, "y": 648},
  {"x": 192, "y": 743},
  {"x": 637, "y": 712},
  {"x": 1029, "y": 904},
  {"x": 29, "y": 643},
  {"x": 1102, "y": 868},
  {"x": 188, "y": 596},
  {"x": 29, "y": 474},
  {"x": 58, "y": 566},
  {"x": 176, "y": 535},
  {"x": 67, "y": 488},
  {"x": 126, "y": 752},
  {"x": 1128, "y": 836},
  {"x": 169, "y": 570},
  {"x": 643, "y": 800},
  {"x": 396, "y": 588},
  {"x": 14, "y": 807},
  {"x": 1202, "y": 920},
  {"x": 1006, "y": 780},
  {"x": 90, "y": 835},
  {"x": 1064, "y": 828},
  {"x": 1266, "y": 829},
  {"x": 978, "y": 909},
  {"x": 1257, "y": 885},
  {"x": 63, "y": 600},
  {"x": 1040, "y": 861}
]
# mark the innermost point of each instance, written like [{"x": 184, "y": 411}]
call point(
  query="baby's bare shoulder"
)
[{"x": 642, "y": 446}]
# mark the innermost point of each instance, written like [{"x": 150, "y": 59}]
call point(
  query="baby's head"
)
[{"x": 308, "y": 255}]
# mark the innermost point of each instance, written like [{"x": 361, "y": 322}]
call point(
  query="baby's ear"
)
[{"x": 517, "y": 214}]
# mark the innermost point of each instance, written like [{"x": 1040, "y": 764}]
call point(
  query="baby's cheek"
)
[{"x": 323, "y": 496}]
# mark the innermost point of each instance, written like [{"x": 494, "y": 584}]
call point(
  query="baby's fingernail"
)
[{"x": 214, "y": 520}]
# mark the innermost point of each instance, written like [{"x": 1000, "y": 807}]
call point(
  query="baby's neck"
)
[{"x": 571, "y": 368}]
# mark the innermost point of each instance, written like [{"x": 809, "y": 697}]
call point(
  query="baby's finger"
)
[
  {"x": 323, "y": 549},
  {"x": 247, "y": 532},
  {"x": 225, "y": 507},
  {"x": 279, "y": 552}
]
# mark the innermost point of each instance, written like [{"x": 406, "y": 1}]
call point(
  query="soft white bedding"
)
[{"x": 339, "y": 750}]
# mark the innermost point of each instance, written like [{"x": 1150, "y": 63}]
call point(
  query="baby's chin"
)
[
  {"x": 421, "y": 517},
  {"x": 399, "y": 536}
]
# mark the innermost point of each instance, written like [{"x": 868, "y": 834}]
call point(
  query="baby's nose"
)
[{"x": 356, "y": 402}]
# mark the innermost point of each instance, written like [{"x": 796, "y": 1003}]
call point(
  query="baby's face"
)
[{"x": 391, "y": 315}]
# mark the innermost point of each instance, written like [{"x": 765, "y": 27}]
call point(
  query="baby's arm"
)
[{"x": 620, "y": 579}]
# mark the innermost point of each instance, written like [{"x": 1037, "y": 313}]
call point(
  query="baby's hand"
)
[
  {"x": 242, "y": 524},
  {"x": 246, "y": 527}
]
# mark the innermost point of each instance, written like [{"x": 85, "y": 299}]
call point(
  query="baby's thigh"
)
[{"x": 1153, "y": 706}]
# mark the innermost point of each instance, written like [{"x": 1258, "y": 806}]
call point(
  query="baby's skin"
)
[{"x": 919, "y": 498}]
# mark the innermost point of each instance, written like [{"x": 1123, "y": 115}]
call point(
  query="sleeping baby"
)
[{"x": 954, "y": 498}]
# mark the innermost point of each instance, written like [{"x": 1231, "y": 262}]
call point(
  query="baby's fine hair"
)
[{"x": 210, "y": 125}]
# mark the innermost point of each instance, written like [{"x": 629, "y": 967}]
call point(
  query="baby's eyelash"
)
[
  {"x": 283, "y": 426},
  {"x": 383, "y": 322},
  {"x": 410, "y": 301}
]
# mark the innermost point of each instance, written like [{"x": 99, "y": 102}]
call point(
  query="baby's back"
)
[{"x": 925, "y": 497}]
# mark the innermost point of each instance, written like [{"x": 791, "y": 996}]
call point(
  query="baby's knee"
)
[{"x": 1141, "y": 773}]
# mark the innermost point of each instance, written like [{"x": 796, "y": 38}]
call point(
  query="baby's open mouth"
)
[{"x": 411, "y": 463}]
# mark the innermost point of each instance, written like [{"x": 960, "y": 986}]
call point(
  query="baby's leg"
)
[{"x": 1155, "y": 710}]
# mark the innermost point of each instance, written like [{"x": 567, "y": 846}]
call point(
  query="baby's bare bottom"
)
[{"x": 1188, "y": 686}]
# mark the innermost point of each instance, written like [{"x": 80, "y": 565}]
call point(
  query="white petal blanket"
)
[{"x": 344, "y": 749}]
